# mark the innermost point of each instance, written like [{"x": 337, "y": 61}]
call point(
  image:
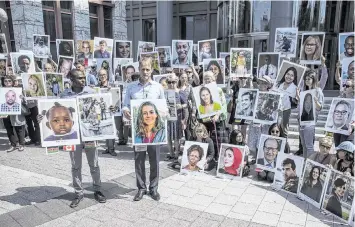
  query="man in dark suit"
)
[
  {"x": 102, "y": 52},
  {"x": 270, "y": 149}
]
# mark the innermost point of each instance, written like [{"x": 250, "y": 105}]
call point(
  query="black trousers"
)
[
  {"x": 33, "y": 126},
  {"x": 139, "y": 161},
  {"x": 16, "y": 134}
]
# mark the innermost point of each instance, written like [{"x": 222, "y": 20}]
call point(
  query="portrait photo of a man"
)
[
  {"x": 268, "y": 64},
  {"x": 102, "y": 52},
  {"x": 290, "y": 175},
  {"x": 339, "y": 116},
  {"x": 65, "y": 47},
  {"x": 346, "y": 45},
  {"x": 269, "y": 148},
  {"x": 65, "y": 64},
  {"x": 22, "y": 62},
  {"x": 10, "y": 101},
  {"x": 41, "y": 46},
  {"x": 247, "y": 98},
  {"x": 164, "y": 56},
  {"x": 182, "y": 53}
]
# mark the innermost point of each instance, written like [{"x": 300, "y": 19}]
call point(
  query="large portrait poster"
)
[
  {"x": 95, "y": 118},
  {"x": 33, "y": 85},
  {"x": 182, "y": 53},
  {"x": 307, "y": 110},
  {"x": 313, "y": 185},
  {"x": 207, "y": 49},
  {"x": 269, "y": 149},
  {"x": 149, "y": 121},
  {"x": 241, "y": 64},
  {"x": 103, "y": 47},
  {"x": 164, "y": 56},
  {"x": 116, "y": 98},
  {"x": 267, "y": 107},
  {"x": 171, "y": 101},
  {"x": 60, "y": 124},
  {"x": 286, "y": 42},
  {"x": 268, "y": 64},
  {"x": 123, "y": 49},
  {"x": 246, "y": 103},
  {"x": 217, "y": 67},
  {"x": 84, "y": 49},
  {"x": 10, "y": 100},
  {"x": 22, "y": 62},
  {"x": 340, "y": 114},
  {"x": 312, "y": 48},
  {"x": 207, "y": 100},
  {"x": 231, "y": 161},
  {"x": 346, "y": 45},
  {"x": 117, "y": 64},
  {"x": 194, "y": 157},
  {"x": 289, "y": 169},
  {"x": 65, "y": 47},
  {"x": 41, "y": 46},
  {"x": 54, "y": 84},
  {"x": 339, "y": 195},
  {"x": 155, "y": 57},
  {"x": 144, "y": 47}
]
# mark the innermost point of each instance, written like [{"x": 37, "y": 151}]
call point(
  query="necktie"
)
[
  {"x": 267, "y": 70},
  {"x": 269, "y": 165}
]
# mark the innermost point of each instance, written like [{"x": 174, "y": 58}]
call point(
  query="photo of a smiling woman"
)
[
  {"x": 194, "y": 154},
  {"x": 307, "y": 112},
  {"x": 311, "y": 49},
  {"x": 231, "y": 161},
  {"x": 207, "y": 105},
  {"x": 149, "y": 127},
  {"x": 215, "y": 68},
  {"x": 35, "y": 86}
]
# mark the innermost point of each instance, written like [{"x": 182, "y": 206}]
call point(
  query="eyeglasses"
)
[
  {"x": 271, "y": 149},
  {"x": 310, "y": 44},
  {"x": 337, "y": 112},
  {"x": 349, "y": 45},
  {"x": 347, "y": 86},
  {"x": 171, "y": 82}
]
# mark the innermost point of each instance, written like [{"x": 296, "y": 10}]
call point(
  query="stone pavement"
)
[{"x": 35, "y": 190}]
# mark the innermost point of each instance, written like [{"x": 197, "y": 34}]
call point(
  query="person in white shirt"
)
[{"x": 268, "y": 69}]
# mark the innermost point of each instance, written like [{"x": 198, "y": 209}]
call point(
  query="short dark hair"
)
[
  {"x": 73, "y": 72},
  {"x": 289, "y": 161},
  {"x": 350, "y": 36},
  {"x": 251, "y": 96},
  {"x": 103, "y": 42},
  {"x": 195, "y": 147},
  {"x": 22, "y": 57},
  {"x": 342, "y": 102},
  {"x": 58, "y": 105}
]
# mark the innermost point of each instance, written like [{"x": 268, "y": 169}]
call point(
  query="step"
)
[
  {"x": 321, "y": 117},
  {"x": 319, "y": 123},
  {"x": 323, "y": 111},
  {"x": 295, "y": 135},
  {"x": 294, "y": 128}
]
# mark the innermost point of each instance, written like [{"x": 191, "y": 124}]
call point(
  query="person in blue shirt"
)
[{"x": 102, "y": 52}]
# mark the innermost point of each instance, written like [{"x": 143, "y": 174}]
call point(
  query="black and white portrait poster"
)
[
  {"x": 41, "y": 47},
  {"x": 65, "y": 47},
  {"x": 155, "y": 57},
  {"x": 171, "y": 102},
  {"x": 144, "y": 47},
  {"x": 307, "y": 110},
  {"x": 117, "y": 64},
  {"x": 127, "y": 71},
  {"x": 60, "y": 124},
  {"x": 312, "y": 48},
  {"x": 231, "y": 161},
  {"x": 22, "y": 63},
  {"x": 246, "y": 103},
  {"x": 10, "y": 100},
  {"x": 289, "y": 169},
  {"x": 54, "y": 83},
  {"x": 207, "y": 49},
  {"x": 181, "y": 53},
  {"x": 340, "y": 115},
  {"x": 339, "y": 195},
  {"x": 3, "y": 65},
  {"x": 207, "y": 100},
  {"x": 116, "y": 98},
  {"x": 194, "y": 157},
  {"x": 95, "y": 118},
  {"x": 65, "y": 64},
  {"x": 103, "y": 47},
  {"x": 313, "y": 184},
  {"x": 267, "y": 107},
  {"x": 217, "y": 67},
  {"x": 226, "y": 57},
  {"x": 123, "y": 49},
  {"x": 33, "y": 85},
  {"x": 269, "y": 149},
  {"x": 3, "y": 44},
  {"x": 346, "y": 45},
  {"x": 286, "y": 42},
  {"x": 241, "y": 64},
  {"x": 164, "y": 56},
  {"x": 268, "y": 64},
  {"x": 84, "y": 49}
]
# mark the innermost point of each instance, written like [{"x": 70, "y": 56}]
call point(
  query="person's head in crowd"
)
[
  {"x": 60, "y": 119},
  {"x": 237, "y": 138},
  {"x": 215, "y": 68},
  {"x": 189, "y": 74},
  {"x": 77, "y": 78},
  {"x": 267, "y": 107},
  {"x": 163, "y": 82},
  {"x": 341, "y": 114},
  {"x": 349, "y": 90},
  {"x": 312, "y": 48},
  {"x": 264, "y": 83},
  {"x": 345, "y": 151},
  {"x": 289, "y": 169},
  {"x": 65, "y": 48},
  {"x": 163, "y": 58},
  {"x": 8, "y": 81},
  {"x": 129, "y": 72},
  {"x": 93, "y": 68},
  {"x": 102, "y": 45},
  {"x": 247, "y": 101},
  {"x": 351, "y": 70},
  {"x": 80, "y": 65},
  {"x": 200, "y": 132},
  {"x": 308, "y": 103},
  {"x": 123, "y": 49},
  {"x": 182, "y": 50},
  {"x": 35, "y": 86},
  {"x": 169, "y": 70},
  {"x": 86, "y": 47},
  {"x": 194, "y": 154},
  {"x": 48, "y": 67},
  {"x": 271, "y": 149},
  {"x": 349, "y": 46},
  {"x": 172, "y": 81},
  {"x": 276, "y": 130},
  {"x": 184, "y": 80},
  {"x": 310, "y": 79},
  {"x": 148, "y": 119},
  {"x": 314, "y": 174},
  {"x": 65, "y": 66},
  {"x": 103, "y": 77},
  {"x": 24, "y": 63},
  {"x": 290, "y": 76},
  {"x": 325, "y": 144},
  {"x": 208, "y": 77},
  {"x": 205, "y": 96},
  {"x": 232, "y": 160},
  {"x": 146, "y": 69},
  {"x": 339, "y": 187},
  {"x": 2, "y": 70},
  {"x": 227, "y": 60}
]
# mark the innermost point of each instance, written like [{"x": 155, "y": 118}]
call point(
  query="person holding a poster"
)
[
  {"x": 334, "y": 204},
  {"x": 145, "y": 88},
  {"x": 312, "y": 186},
  {"x": 312, "y": 48}
]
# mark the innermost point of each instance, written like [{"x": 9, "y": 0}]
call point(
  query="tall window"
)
[
  {"x": 58, "y": 21},
  {"x": 101, "y": 20},
  {"x": 149, "y": 30},
  {"x": 194, "y": 28}
]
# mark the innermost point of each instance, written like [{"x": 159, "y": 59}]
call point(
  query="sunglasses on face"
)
[
  {"x": 171, "y": 82},
  {"x": 7, "y": 81}
]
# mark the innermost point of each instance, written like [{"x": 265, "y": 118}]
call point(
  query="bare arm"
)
[{"x": 196, "y": 77}]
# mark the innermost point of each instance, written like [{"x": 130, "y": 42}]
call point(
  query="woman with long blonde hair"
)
[{"x": 311, "y": 49}]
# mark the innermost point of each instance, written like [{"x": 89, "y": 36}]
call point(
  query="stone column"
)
[
  {"x": 164, "y": 23},
  {"x": 280, "y": 17},
  {"x": 119, "y": 20},
  {"x": 81, "y": 20},
  {"x": 27, "y": 19}
]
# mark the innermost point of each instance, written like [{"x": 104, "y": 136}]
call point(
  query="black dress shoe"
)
[
  {"x": 100, "y": 197},
  {"x": 76, "y": 201},
  {"x": 122, "y": 143},
  {"x": 155, "y": 195},
  {"x": 139, "y": 195},
  {"x": 113, "y": 153}
]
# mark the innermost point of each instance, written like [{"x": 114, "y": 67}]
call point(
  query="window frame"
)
[{"x": 100, "y": 4}]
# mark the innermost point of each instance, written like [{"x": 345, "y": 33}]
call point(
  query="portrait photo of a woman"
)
[
  {"x": 231, "y": 161},
  {"x": 311, "y": 49},
  {"x": 35, "y": 87},
  {"x": 307, "y": 111},
  {"x": 207, "y": 105},
  {"x": 215, "y": 68},
  {"x": 288, "y": 86},
  {"x": 312, "y": 186},
  {"x": 338, "y": 191},
  {"x": 149, "y": 126},
  {"x": 195, "y": 154}
]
